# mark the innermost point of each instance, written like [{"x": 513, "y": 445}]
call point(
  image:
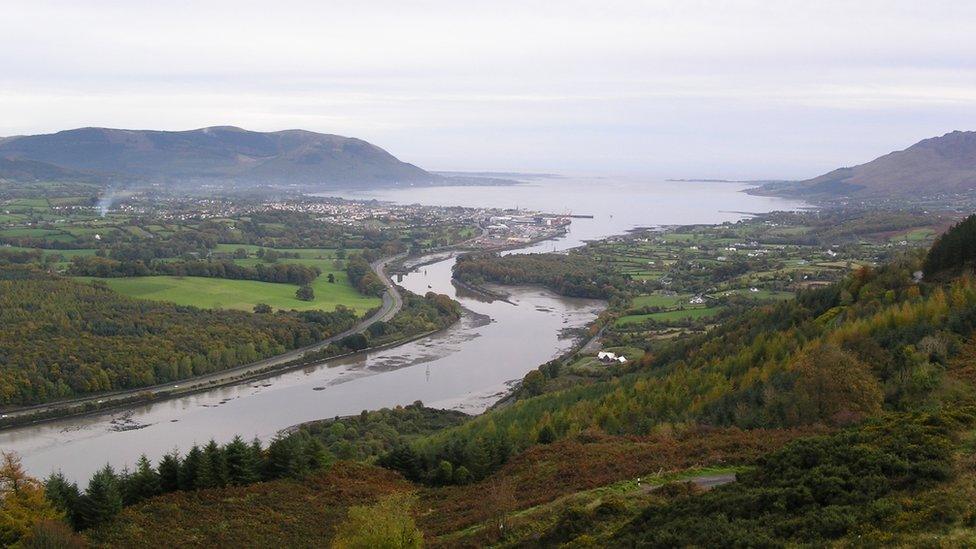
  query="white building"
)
[{"x": 605, "y": 356}]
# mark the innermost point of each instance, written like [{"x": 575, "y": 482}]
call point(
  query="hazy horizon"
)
[{"x": 741, "y": 90}]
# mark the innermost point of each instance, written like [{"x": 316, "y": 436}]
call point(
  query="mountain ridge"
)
[
  {"x": 292, "y": 156},
  {"x": 932, "y": 166}
]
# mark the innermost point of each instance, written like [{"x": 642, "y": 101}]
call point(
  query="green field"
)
[
  {"x": 67, "y": 254},
  {"x": 36, "y": 233},
  {"x": 240, "y": 294},
  {"x": 668, "y": 316},
  {"x": 245, "y": 294},
  {"x": 305, "y": 253},
  {"x": 915, "y": 235},
  {"x": 766, "y": 294},
  {"x": 658, "y": 300},
  {"x": 25, "y": 204}
]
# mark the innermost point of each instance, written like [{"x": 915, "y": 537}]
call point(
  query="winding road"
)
[{"x": 392, "y": 303}]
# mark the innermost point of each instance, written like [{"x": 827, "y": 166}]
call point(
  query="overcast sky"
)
[{"x": 773, "y": 89}]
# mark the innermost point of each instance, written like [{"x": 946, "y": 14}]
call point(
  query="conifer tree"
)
[
  {"x": 63, "y": 495},
  {"x": 216, "y": 464},
  {"x": 190, "y": 469},
  {"x": 169, "y": 473},
  {"x": 243, "y": 466},
  {"x": 144, "y": 483},
  {"x": 102, "y": 499}
]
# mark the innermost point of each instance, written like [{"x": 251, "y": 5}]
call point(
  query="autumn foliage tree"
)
[
  {"x": 387, "y": 524},
  {"x": 22, "y": 503},
  {"x": 835, "y": 387}
]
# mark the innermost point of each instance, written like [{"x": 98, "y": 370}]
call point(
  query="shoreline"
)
[
  {"x": 141, "y": 400},
  {"x": 290, "y": 360},
  {"x": 128, "y": 398},
  {"x": 267, "y": 367}
]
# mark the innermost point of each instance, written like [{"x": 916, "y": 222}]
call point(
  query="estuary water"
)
[
  {"x": 617, "y": 204},
  {"x": 466, "y": 367}
]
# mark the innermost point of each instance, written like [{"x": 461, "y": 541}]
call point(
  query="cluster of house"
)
[{"x": 608, "y": 357}]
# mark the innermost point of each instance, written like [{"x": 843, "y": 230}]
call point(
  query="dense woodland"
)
[
  {"x": 953, "y": 249},
  {"x": 572, "y": 275},
  {"x": 362, "y": 277},
  {"x": 63, "y": 339},
  {"x": 372, "y": 433},
  {"x": 419, "y": 315}
]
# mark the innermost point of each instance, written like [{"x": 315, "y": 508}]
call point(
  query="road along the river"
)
[{"x": 392, "y": 302}]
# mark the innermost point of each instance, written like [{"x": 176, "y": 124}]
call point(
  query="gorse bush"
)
[{"x": 813, "y": 490}]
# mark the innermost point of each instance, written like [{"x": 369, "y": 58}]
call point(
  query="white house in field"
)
[{"x": 605, "y": 356}]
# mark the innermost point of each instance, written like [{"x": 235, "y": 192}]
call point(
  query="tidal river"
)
[{"x": 466, "y": 367}]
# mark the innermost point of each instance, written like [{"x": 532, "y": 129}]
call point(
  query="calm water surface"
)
[
  {"x": 466, "y": 367},
  {"x": 617, "y": 204}
]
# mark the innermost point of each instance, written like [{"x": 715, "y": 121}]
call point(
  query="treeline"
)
[
  {"x": 178, "y": 244},
  {"x": 236, "y": 463},
  {"x": 289, "y": 229},
  {"x": 269, "y": 229},
  {"x": 20, "y": 257},
  {"x": 362, "y": 277},
  {"x": 574, "y": 275},
  {"x": 285, "y": 273},
  {"x": 953, "y": 249},
  {"x": 370, "y": 434},
  {"x": 419, "y": 315},
  {"x": 64, "y": 339}
]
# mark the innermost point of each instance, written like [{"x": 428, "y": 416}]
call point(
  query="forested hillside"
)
[
  {"x": 954, "y": 249},
  {"x": 877, "y": 341},
  {"x": 572, "y": 275},
  {"x": 61, "y": 338}
]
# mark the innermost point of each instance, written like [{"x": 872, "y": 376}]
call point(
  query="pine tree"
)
[
  {"x": 284, "y": 459},
  {"x": 205, "y": 476},
  {"x": 102, "y": 499},
  {"x": 404, "y": 459},
  {"x": 64, "y": 496},
  {"x": 190, "y": 468},
  {"x": 144, "y": 483},
  {"x": 216, "y": 464},
  {"x": 546, "y": 434},
  {"x": 169, "y": 473},
  {"x": 314, "y": 453},
  {"x": 478, "y": 459},
  {"x": 243, "y": 466}
]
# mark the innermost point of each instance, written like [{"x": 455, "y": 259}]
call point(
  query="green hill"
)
[{"x": 214, "y": 154}]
